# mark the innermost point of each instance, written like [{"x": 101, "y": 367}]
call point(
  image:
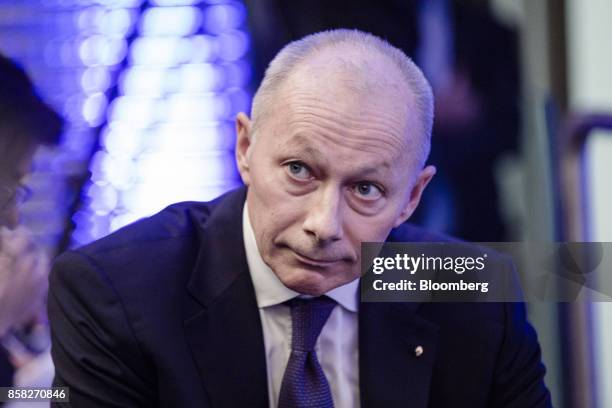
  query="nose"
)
[{"x": 324, "y": 218}]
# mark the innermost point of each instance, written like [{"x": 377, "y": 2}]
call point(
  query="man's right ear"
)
[{"x": 243, "y": 144}]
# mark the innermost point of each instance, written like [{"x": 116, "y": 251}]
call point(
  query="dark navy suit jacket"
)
[{"x": 163, "y": 313}]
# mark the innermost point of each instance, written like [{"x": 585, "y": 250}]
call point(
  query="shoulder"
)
[
  {"x": 175, "y": 222},
  {"x": 154, "y": 252},
  {"x": 151, "y": 240},
  {"x": 149, "y": 256},
  {"x": 181, "y": 222}
]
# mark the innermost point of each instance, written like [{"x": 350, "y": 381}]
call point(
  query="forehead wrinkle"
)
[
  {"x": 359, "y": 140},
  {"x": 300, "y": 101},
  {"x": 353, "y": 121},
  {"x": 380, "y": 121},
  {"x": 335, "y": 136}
]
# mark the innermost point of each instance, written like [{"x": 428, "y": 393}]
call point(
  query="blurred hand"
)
[{"x": 24, "y": 270}]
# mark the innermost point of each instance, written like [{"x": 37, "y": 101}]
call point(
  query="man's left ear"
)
[{"x": 422, "y": 180}]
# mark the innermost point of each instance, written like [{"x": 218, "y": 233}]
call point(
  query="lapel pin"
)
[{"x": 418, "y": 351}]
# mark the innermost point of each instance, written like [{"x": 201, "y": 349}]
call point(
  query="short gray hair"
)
[{"x": 285, "y": 62}]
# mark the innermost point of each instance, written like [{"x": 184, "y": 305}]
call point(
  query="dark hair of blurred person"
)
[{"x": 25, "y": 123}]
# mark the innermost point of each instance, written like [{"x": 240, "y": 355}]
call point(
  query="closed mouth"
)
[{"x": 313, "y": 261}]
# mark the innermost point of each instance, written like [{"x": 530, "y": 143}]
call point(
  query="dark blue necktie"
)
[{"x": 304, "y": 383}]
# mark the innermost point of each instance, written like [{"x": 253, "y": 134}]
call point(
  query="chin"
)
[
  {"x": 306, "y": 282},
  {"x": 310, "y": 290}
]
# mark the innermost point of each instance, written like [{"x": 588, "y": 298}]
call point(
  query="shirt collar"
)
[{"x": 269, "y": 290}]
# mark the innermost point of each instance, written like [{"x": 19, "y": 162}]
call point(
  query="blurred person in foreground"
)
[
  {"x": 252, "y": 300},
  {"x": 25, "y": 123}
]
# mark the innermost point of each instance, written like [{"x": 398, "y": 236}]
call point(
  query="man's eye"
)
[
  {"x": 298, "y": 170},
  {"x": 368, "y": 191}
]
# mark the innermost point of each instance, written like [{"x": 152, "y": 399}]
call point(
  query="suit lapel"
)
[
  {"x": 222, "y": 324},
  {"x": 391, "y": 372}
]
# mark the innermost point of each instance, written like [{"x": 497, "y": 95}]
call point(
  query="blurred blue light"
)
[
  {"x": 158, "y": 188},
  {"x": 73, "y": 107},
  {"x": 175, "y": 2},
  {"x": 171, "y": 167},
  {"x": 169, "y": 135},
  {"x": 203, "y": 48},
  {"x": 99, "y": 225},
  {"x": 116, "y": 3},
  {"x": 120, "y": 138},
  {"x": 95, "y": 79},
  {"x": 201, "y": 78},
  {"x": 101, "y": 50},
  {"x": 120, "y": 170},
  {"x": 87, "y": 20},
  {"x": 117, "y": 22},
  {"x": 90, "y": 49},
  {"x": 197, "y": 108},
  {"x": 148, "y": 197},
  {"x": 233, "y": 45},
  {"x": 137, "y": 111},
  {"x": 96, "y": 166},
  {"x": 237, "y": 74},
  {"x": 240, "y": 101},
  {"x": 223, "y": 17},
  {"x": 62, "y": 53},
  {"x": 82, "y": 220},
  {"x": 142, "y": 81},
  {"x": 114, "y": 52},
  {"x": 162, "y": 51},
  {"x": 103, "y": 197},
  {"x": 177, "y": 21},
  {"x": 94, "y": 107},
  {"x": 116, "y": 170},
  {"x": 200, "y": 138}
]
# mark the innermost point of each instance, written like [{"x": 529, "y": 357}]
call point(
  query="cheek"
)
[
  {"x": 368, "y": 229},
  {"x": 274, "y": 213}
]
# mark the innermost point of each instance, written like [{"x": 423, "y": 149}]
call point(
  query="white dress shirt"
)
[{"x": 337, "y": 345}]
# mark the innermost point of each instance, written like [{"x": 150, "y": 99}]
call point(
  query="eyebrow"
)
[
  {"x": 301, "y": 141},
  {"x": 304, "y": 141}
]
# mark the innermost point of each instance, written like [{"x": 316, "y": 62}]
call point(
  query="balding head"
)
[{"x": 356, "y": 62}]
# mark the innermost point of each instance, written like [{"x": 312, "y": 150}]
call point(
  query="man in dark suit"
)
[{"x": 252, "y": 300}]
